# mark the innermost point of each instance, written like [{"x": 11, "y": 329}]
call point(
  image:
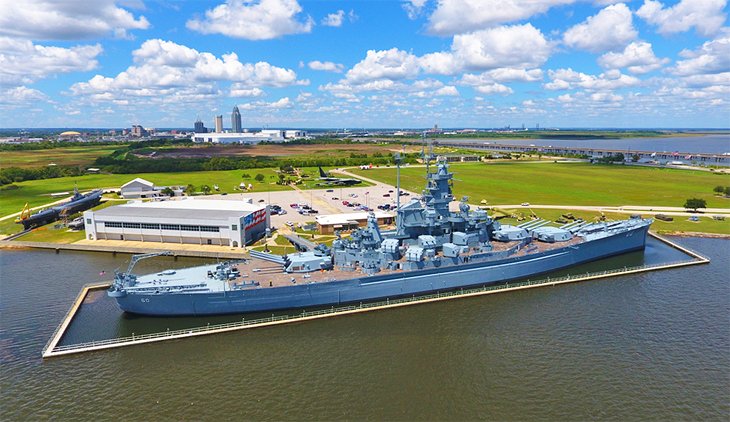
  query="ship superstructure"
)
[{"x": 431, "y": 249}]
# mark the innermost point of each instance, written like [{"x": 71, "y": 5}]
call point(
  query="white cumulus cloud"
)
[
  {"x": 23, "y": 62},
  {"x": 493, "y": 88},
  {"x": 67, "y": 19},
  {"x": 239, "y": 90},
  {"x": 414, "y": 7},
  {"x": 448, "y": 90},
  {"x": 562, "y": 79},
  {"x": 637, "y": 57},
  {"x": 390, "y": 64},
  {"x": 460, "y": 16},
  {"x": 605, "y": 97},
  {"x": 705, "y": 16},
  {"x": 21, "y": 95},
  {"x": 253, "y": 19},
  {"x": 516, "y": 46},
  {"x": 334, "y": 19},
  {"x": 326, "y": 66},
  {"x": 712, "y": 57},
  {"x": 164, "y": 68},
  {"x": 504, "y": 46},
  {"x": 612, "y": 28}
]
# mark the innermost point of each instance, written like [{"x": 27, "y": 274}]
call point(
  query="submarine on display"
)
[{"x": 78, "y": 202}]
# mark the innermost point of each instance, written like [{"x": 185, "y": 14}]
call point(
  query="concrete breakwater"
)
[{"x": 189, "y": 252}]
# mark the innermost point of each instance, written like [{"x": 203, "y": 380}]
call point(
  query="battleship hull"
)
[{"x": 370, "y": 288}]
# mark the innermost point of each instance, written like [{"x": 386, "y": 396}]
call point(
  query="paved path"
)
[{"x": 626, "y": 209}]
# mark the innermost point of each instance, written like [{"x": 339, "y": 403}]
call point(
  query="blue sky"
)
[{"x": 387, "y": 63}]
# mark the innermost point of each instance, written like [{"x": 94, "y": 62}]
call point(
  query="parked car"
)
[
  {"x": 313, "y": 211},
  {"x": 334, "y": 198},
  {"x": 290, "y": 223},
  {"x": 346, "y": 203},
  {"x": 525, "y": 204},
  {"x": 330, "y": 190},
  {"x": 294, "y": 205},
  {"x": 386, "y": 195}
]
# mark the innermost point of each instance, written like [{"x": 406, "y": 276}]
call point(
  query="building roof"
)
[
  {"x": 70, "y": 133},
  {"x": 139, "y": 180},
  {"x": 332, "y": 219},
  {"x": 201, "y": 204},
  {"x": 199, "y": 209}
]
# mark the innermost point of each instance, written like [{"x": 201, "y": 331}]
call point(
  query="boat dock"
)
[{"x": 53, "y": 349}]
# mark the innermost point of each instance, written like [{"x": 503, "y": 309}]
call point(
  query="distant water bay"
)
[{"x": 709, "y": 144}]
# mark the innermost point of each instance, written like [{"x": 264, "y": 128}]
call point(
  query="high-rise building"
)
[
  {"x": 219, "y": 123},
  {"x": 138, "y": 131},
  {"x": 200, "y": 127},
  {"x": 236, "y": 120}
]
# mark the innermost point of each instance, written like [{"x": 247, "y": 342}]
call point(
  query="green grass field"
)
[
  {"x": 51, "y": 233},
  {"x": 37, "y": 192},
  {"x": 569, "y": 184},
  {"x": 579, "y": 184},
  {"x": 68, "y": 156}
]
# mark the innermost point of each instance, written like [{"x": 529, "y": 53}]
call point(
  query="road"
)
[{"x": 626, "y": 209}]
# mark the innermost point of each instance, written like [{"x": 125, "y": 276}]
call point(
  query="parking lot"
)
[{"x": 326, "y": 201}]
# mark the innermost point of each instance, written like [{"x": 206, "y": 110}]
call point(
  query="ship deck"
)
[
  {"x": 272, "y": 275},
  {"x": 256, "y": 273}
]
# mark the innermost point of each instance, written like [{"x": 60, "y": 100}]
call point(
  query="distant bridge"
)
[{"x": 694, "y": 158}]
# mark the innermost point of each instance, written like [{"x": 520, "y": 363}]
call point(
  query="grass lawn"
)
[
  {"x": 310, "y": 179},
  {"x": 53, "y": 233},
  {"x": 580, "y": 184},
  {"x": 37, "y": 192},
  {"x": 65, "y": 156},
  {"x": 8, "y": 226},
  {"x": 570, "y": 184},
  {"x": 278, "y": 250}
]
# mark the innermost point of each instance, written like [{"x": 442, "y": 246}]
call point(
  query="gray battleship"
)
[{"x": 431, "y": 249}]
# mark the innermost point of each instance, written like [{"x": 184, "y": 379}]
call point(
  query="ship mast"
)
[{"x": 398, "y": 160}]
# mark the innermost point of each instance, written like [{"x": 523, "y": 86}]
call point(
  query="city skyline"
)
[{"x": 386, "y": 64}]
